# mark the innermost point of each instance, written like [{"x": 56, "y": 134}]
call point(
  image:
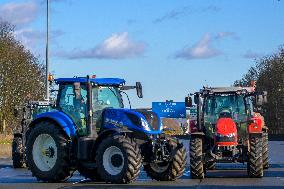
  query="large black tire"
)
[
  {"x": 265, "y": 150},
  {"x": 62, "y": 169},
  {"x": 18, "y": 153},
  {"x": 118, "y": 159},
  {"x": 255, "y": 164},
  {"x": 169, "y": 171},
  {"x": 197, "y": 167},
  {"x": 89, "y": 173}
]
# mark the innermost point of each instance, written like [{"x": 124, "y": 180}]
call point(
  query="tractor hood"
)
[
  {"x": 226, "y": 132},
  {"x": 226, "y": 126},
  {"x": 135, "y": 120}
]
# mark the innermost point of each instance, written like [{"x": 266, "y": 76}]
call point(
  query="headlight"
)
[
  {"x": 145, "y": 125},
  {"x": 228, "y": 135},
  {"x": 139, "y": 122},
  {"x": 231, "y": 135}
]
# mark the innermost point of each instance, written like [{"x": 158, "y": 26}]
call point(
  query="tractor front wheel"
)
[
  {"x": 18, "y": 152},
  {"x": 118, "y": 159},
  {"x": 255, "y": 164},
  {"x": 197, "y": 167},
  {"x": 265, "y": 150},
  {"x": 48, "y": 153},
  {"x": 170, "y": 170}
]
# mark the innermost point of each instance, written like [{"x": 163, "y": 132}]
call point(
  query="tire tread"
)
[{"x": 197, "y": 168}]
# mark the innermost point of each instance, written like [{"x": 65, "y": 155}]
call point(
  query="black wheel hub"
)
[
  {"x": 116, "y": 160},
  {"x": 49, "y": 152}
]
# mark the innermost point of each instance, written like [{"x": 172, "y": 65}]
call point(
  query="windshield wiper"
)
[
  {"x": 112, "y": 91},
  {"x": 127, "y": 98}
]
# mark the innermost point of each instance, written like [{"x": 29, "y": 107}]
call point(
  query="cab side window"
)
[
  {"x": 74, "y": 107},
  {"x": 66, "y": 98}
]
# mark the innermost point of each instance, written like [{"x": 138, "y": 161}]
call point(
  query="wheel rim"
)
[
  {"x": 113, "y": 160},
  {"x": 159, "y": 168},
  {"x": 44, "y": 152}
]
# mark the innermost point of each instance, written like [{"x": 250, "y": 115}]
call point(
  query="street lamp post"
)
[{"x": 47, "y": 51}]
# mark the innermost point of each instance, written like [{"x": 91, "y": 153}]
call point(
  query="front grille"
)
[
  {"x": 225, "y": 139},
  {"x": 151, "y": 118}
]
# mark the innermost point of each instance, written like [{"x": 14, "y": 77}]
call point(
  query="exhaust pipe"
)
[{"x": 91, "y": 129}]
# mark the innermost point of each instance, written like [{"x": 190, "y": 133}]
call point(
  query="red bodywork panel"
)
[
  {"x": 256, "y": 124},
  {"x": 226, "y": 132}
]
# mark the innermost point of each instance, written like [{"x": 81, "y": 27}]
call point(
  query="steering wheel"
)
[
  {"x": 100, "y": 102},
  {"x": 225, "y": 113}
]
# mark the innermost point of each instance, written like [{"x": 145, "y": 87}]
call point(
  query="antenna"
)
[
  {"x": 47, "y": 51},
  {"x": 206, "y": 84}
]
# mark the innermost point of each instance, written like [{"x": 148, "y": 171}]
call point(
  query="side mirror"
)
[
  {"x": 259, "y": 100},
  {"x": 196, "y": 99},
  {"x": 188, "y": 101},
  {"x": 139, "y": 90},
  {"x": 264, "y": 97}
]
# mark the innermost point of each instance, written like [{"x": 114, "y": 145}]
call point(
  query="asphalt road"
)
[{"x": 225, "y": 176}]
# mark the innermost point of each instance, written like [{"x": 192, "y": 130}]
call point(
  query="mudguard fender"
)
[{"x": 60, "y": 118}]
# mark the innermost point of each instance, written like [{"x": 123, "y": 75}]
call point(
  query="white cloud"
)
[
  {"x": 33, "y": 39},
  {"x": 183, "y": 11},
  {"x": 19, "y": 13},
  {"x": 117, "y": 46},
  {"x": 28, "y": 37},
  {"x": 201, "y": 50}
]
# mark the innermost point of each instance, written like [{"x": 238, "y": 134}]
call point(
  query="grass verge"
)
[{"x": 5, "y": 145}]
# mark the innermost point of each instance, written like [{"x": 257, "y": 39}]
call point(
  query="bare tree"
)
[
  {"x": 269, "y": 76},
  {"x": 21, "y": 76}
]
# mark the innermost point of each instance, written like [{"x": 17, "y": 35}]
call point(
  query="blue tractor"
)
[{"x": 89, "y": 130}]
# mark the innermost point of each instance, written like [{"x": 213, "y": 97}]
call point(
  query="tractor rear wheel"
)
[
  {"x": 255, "y": 164},
  {"x": 118, "y": 159},
  {"x": 18, "y": 152},
  {"x": 48, "y": 153},
  {"x": 197, "y": 167},
  {"x": 265, "y": 150},
  {"x": 170, "y": 170}
]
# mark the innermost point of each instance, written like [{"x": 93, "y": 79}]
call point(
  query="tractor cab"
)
[
  {"x": 223, "y": 113},
  {"x": 105, "y": 93}
]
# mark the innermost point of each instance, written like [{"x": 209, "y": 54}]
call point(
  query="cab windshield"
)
[
  {"x": 106, "y": 97},
  {"x": 230, "y": 106}
]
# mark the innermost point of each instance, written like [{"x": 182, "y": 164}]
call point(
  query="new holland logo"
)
[{"x": 114, "y": 122}]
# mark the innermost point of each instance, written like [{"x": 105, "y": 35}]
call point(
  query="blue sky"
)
[{"x": 172, "y": 47}]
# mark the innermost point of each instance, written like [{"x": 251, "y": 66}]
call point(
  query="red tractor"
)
[{"x": 228, "y": 130}]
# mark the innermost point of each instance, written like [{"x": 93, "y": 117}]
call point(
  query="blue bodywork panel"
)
[
  {"x": 169, "y": 109},
  {"x": 129, "y": 119},
  {"x": 112, "y": 119},
  {"x": 98, "y": 81},
  {"x": 62, "y": 119}
]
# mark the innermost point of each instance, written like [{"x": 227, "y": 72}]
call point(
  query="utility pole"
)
[{"x": 47, "y": 51}]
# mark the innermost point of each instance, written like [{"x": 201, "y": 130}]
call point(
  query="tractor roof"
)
[
  {"x": 228, "y": 90},
  {"x": 99, "y": 81}
]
